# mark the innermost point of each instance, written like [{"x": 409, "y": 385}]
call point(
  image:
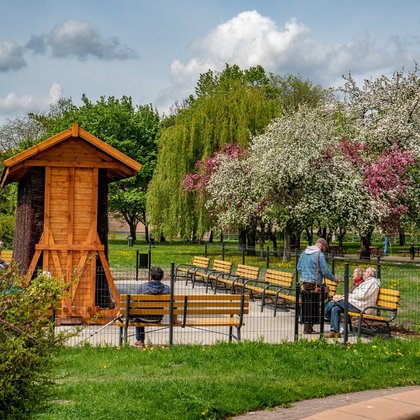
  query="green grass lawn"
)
[{"x": 215, "y": 382}]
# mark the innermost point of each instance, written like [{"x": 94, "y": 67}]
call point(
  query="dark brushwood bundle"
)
[{"x": 29, "y": 217}]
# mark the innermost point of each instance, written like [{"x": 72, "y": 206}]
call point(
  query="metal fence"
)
[{"x": 269, "y": 323}]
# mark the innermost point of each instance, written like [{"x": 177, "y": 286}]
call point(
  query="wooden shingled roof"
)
[{"x": 73, "y": 147}]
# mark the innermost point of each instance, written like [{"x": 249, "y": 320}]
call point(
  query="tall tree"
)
[{"x": 228, "y": 108}]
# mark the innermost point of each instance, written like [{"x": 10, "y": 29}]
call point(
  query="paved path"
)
[{"x": 382, "y": 404}]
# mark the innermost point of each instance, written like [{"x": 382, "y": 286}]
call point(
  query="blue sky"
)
[{"x": 155, "y": 50}]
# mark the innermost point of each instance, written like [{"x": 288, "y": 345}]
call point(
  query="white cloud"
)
[
  {"x": 11, "y": 56},
  {"x": 82, "y": 40},
  {"x": 249, "y": 39},
  {"x": 14, "y": 104}
]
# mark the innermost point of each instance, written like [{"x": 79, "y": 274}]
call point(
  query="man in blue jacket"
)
[
  {"x": 313, "y": 268},
  {"x": 152, "y": 287}
]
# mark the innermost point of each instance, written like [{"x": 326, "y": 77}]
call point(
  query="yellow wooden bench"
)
[
  {"x": 6, "y": 255},
  {"x": 219, "y": 268},
  {"x": 279, "y": 289},
  {"x": 386, "y": 309},
  {"x": 187, "y": 271},
  {"x": 197, "y": 311},
  {"x": 243, "y": 274}
]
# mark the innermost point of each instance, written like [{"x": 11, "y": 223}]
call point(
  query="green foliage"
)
[
  {"x": 27, "y": 342},
  {"x": 7, "y": 228},
  {"x": 215, "y": 382},
  {"x": 229, "y": 107}
]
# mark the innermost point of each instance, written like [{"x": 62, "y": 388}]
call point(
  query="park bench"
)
[
  {"x": 386, "y": 309},
  {"x": 280, "y": 288},
  {"x": 219, "y": 268},
  {"x": 277, "y": 286},
  {"x": 243, "y": 274},
  {"x": 196, "y": 311},
  {"x": 6, "y": 255},
  {"x": 187, "y": 271}
]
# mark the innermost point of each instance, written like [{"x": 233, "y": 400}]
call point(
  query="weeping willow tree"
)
[{"x": 229, "y": 107}]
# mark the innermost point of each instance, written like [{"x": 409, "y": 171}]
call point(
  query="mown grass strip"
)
[{"x": 191, "y": 382}]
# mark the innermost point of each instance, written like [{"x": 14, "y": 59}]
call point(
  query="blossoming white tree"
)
[{"x": 348, "y": 163}]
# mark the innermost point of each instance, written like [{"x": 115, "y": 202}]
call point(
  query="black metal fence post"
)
[
  {"x": 378, "y": 267},
  {"x": 333, "y": 262},
  {"x": 346, "y": 301},
  {"x": 297, "y": 292},
  {"x": 223, "y": 251},
  {"x": 137, "y": 264},
  {"x": 268, "y": 258},
  {"x": 150, "y": 258},
  {"x": 205, "y": 250},
  {"x": 171, "y": 306},
  {"x": 243, "y": 254},
  {"x": 322, "y": 310},
  {"x": 297, "y": 312}
]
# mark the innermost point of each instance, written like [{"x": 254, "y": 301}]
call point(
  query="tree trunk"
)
[
  {"x": 322, "y": 232},
  {"x": 251, "y": 239},
  {"x": 133, "y": 228},
  {"x": 340, "y": 236},
  {"x": 146, "y": 233},
  {"x": 401, "y": 234},
  {"x": 310, "y": 235},
  {"x": 365, "y": 242},
  {"x": 162, "y": 237},
  {"x": 211, "y": 237},
  {"x": 242, "y": 238},
  {"x": 273, "y": 239},
  {"x": 286, "y": 247}
]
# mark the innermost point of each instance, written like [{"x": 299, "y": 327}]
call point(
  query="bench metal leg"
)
[{"x": 120, "y": 338}]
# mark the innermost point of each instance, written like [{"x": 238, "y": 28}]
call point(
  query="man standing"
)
[
  {"x": 364, "y": 295},
  {"x": 313, "y": 268}
]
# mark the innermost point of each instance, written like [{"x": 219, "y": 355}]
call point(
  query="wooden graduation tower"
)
[{"x": 62, "y": 220}]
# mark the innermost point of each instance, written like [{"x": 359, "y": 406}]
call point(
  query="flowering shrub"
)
[{"x": 27, "y": 342}]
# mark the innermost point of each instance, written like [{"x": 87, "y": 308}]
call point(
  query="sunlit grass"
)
[{"x": 191, "y": 382}]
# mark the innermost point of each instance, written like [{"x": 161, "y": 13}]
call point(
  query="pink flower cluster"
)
[
  {"x": 388, "y": 172},
  {"x": 352, "y": 150},
  {"x": 197, "y": 181}
]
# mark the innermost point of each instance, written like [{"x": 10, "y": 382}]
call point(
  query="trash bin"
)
[{"x": 130, "y": 241}]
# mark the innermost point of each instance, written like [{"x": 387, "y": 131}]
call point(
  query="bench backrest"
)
[
  {"x": 332, "y": 286},
  {"x": 137, "y": 305},
  {"x": 202, "y": 262},
  {"x": 388, "y": 298},
  {"x": 248, "y": 272},
  {"x": 222, "y": 266},
  {"x": 6, "y": 255},
  {"x": 279, "y": 278}
]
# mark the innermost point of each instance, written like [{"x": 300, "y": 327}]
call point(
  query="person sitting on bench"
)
[
  {"x": 152, "y": 287},
  {"x": 364, "y": 295}
]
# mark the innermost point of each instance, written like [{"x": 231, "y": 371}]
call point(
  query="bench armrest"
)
[
  {"x": 278, "y": 289},
  {"x": 381, "y": 308}
]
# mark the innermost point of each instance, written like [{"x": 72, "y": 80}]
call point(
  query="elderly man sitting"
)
[{"x": 364, "y": 295}]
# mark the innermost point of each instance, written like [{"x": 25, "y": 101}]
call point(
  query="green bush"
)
[
  {"x": 27, "y": 342},
  {"x": 7, "y": 229}
]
